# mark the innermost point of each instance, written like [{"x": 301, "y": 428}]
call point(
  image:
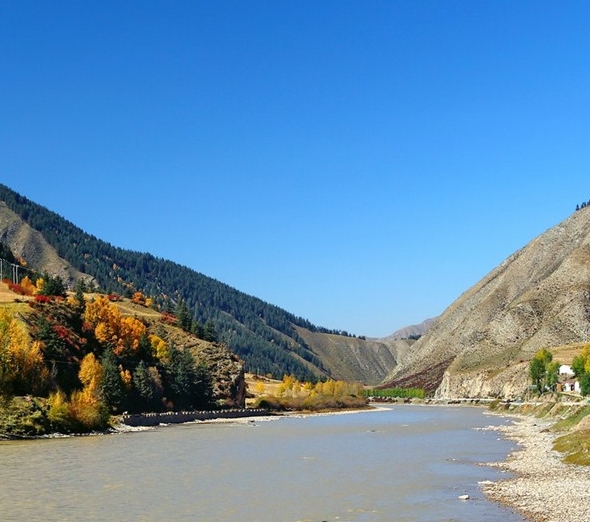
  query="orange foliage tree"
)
[{"x": 122, "y": 333}]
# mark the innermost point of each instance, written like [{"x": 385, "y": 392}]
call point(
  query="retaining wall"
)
[{"x": 176, "y": 417}]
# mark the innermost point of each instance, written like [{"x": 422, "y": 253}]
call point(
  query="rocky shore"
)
[{"x": 542, "y": 487}]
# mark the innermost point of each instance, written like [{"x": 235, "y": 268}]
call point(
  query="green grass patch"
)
[
  {"x": 396, "y": 393},
  {"x": 572, "y": 419},
  {"x": 575, "y": 446}
]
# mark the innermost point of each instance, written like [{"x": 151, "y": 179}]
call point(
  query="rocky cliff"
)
[{"x": 480, "y": 345}]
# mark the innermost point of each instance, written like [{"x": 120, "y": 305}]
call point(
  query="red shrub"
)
[
  {"x": 17, "y": 289},
  {"x": 168, "y": 318}
]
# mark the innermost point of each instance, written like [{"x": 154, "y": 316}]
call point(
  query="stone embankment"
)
[
  {"x": 544, "y": 488},
  {"x": 177, "y": 417}
]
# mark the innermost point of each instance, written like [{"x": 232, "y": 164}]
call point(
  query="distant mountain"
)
[
  {"x": 538, "y": 297},
  {"x": 414, "y": 331},
  {"x": 357, "y": 359},
  {"x": 269, "y": 339}
]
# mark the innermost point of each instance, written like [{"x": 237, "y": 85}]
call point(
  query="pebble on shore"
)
[{"x": 543, "y": 488}]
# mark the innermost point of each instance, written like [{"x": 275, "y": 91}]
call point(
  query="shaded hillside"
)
[
  {"x": 538, "y": 297},
  {"x": 263, "y": 335},
  {"x": 356, "y": 359}
]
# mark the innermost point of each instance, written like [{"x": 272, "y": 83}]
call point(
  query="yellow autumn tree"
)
[
  {"x": 22, "y": 368},
  {"x": 131, "y": 331},
  {"x": 91, "y": 374},
  {"x": 28, "y": 286},
  {"x": 159, "y": 348},
  {"x": 85, "y": 405},
  {"x": 138, "y": 298},
  {"x": 39, "y": 285}
]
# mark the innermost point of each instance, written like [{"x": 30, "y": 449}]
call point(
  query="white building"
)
[
  {"x": 565, "y": 369},
  {"x": 571, "y": 386}
]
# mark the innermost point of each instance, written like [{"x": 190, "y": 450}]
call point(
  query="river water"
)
[{"x": 403, "y": 463}]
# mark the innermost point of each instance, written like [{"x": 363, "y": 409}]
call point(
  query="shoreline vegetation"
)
[{"x": 550, "y": 470}]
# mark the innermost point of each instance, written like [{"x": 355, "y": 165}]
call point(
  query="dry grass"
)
[
  {"x": 565, "y": 354},
  {"x": 8, "y": 296},
  {"x": 255, "y": 390}
]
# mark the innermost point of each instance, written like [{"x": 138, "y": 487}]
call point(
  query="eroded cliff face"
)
[
  {"x": 539, "y": 296},
  {"x": 510, "y": 383}
]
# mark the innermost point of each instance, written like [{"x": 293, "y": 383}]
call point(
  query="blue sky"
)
[{"x": 360, "y": 164}]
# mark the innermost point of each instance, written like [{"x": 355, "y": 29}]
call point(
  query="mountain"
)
[
  {"x": 269, "y": 339},
  {"x": 413, "y": 331},
  {"x": 357, "y": 359},
  {"x": 481, "y": 344}
]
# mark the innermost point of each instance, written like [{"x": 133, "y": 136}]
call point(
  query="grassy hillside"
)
[{"x": 356, "y": 359}]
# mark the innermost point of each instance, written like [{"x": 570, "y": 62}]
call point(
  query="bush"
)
[
  {"x": 81, "y": 413},
  {"x": 88, "y": 412},
  {"x": 23, "y": 417},
  {"x": 59, "y": 414}
]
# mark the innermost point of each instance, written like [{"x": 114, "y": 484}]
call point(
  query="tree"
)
[
  {"x": 581, "y": 367},
  {"x": 123, "y": 334},
  {"x": 183, "y": 315},
  {"x": 147, "y": 394},
  {"x": 22, "y": 368},
  {"x": 190, "y": 383},
  {"x": 91, "y": 373},
  {"x": 51, "y": 286},
  {"x": 585, "y": 384},
  {"x": 543, "y": 371},
  {"x": 111, "y": 388},
  {"x": 210, "y": 333}
]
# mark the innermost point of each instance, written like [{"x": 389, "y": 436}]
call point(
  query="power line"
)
[{"x": 13, "y": 269}]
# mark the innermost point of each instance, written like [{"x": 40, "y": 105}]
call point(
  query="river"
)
[{"x": 401, "y": 463}]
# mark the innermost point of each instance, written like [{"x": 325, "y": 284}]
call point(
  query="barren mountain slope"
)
[
  {"x": 354, "y": 359},
  {"x": 32, "y": 247},
  {"x": 539, "y": 296}
]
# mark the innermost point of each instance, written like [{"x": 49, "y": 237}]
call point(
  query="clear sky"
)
[{"x": 360, "y": 164}]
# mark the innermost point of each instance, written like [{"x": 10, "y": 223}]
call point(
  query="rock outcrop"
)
[{"x": 539, "y": 296}]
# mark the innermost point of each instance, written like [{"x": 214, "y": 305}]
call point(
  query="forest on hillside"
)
[
  {"x": 263, "y": 335},
  {"x": 67, "y": 363}
]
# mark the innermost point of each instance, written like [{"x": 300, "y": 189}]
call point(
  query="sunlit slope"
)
[{"x": 538, "y": 297}]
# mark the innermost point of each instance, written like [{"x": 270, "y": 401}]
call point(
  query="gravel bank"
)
[{"x": 543, "y": 488}]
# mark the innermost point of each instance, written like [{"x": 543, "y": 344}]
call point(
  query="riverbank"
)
[{"x": 543, "y": 488}]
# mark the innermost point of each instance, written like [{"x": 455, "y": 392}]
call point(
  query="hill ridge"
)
[{"x": 265, "y": 336}]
